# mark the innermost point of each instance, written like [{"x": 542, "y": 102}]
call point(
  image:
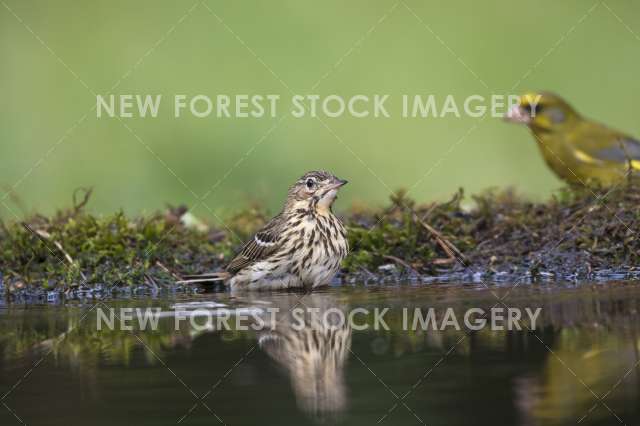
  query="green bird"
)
[{"x": 579, "y": 150}]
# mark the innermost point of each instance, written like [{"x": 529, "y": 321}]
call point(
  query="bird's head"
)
[
  {"x": 543, "y": 111},
  {"x": 316, "y": 189}
]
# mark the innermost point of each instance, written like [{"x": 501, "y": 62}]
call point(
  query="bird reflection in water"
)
[{"x": 310, "y": 340}]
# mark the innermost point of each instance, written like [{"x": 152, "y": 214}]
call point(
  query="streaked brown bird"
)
[
  {"x": 302, "y": 247},
  {"x": 579, "y": 150}
]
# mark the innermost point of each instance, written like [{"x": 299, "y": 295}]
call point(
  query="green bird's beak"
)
[{"x": 517, "y": 114}]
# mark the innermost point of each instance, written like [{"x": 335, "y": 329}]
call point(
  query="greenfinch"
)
[{"x": 580, "y": 151}]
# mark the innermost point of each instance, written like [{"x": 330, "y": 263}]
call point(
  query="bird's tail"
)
[{"x": 211, "y": 277}]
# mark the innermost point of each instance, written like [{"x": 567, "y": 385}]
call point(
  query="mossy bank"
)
[{"x": 576, "y": 234}]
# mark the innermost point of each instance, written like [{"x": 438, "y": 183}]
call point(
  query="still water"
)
[{"x": 579, "y": 366}]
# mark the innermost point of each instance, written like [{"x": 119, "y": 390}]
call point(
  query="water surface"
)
[{"x": 578, "y": 367}]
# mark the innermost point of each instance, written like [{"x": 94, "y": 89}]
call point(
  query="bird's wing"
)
[
  {"x": 263, "y": 244},
  {"x": 625, "y": 149}
]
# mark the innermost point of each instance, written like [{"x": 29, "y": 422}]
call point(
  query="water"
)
[{"x": 580, "y": 365}]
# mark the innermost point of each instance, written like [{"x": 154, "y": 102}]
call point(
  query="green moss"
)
[
  {"x": 577, "y": 229},
  {"x": 74, "y": 249},
  {"x": 574, "y": 230}
]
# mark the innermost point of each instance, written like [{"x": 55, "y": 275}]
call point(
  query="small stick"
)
[
  {"x": 401, "y": 262},
  {"x": 46, "y": 236},
  {"x": 447, "y": 261},
  {"x": 368, "y": 272},
  {"x": 207, "y": 275},
  {"x": 200, "y": 280},
  {"x": 78, "y": 205},
  {"x": 629, "y": 159},
  {"x": 167, "y": 270},
  {"x": 152, "y": 283},
  {"x": 430, "y": 210},
  {"x": 446, "y": 245}
]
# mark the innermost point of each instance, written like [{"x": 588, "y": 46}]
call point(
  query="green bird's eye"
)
[{"x": 533, "y": 110}]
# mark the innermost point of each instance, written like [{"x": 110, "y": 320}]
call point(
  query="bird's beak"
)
[
  {"x": 517, "y": 114},
  {"x": 338, "y": 183}
]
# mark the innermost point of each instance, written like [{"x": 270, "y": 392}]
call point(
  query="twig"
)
[
  {"x": 168, "y": 271},
  {"x": 448, "y": 247},
  {"x": 151, "y": 282},
  {"x": 77, "y": 206},
  {"x": 446, "y": 261},
  {"x": 46, "y": 236},
  {"x": 628, "y": 158},
  {"x": 430, "y": 210},
  {"x": 201, "y": 280},
  {"x": 401, "y": 262},
  {"x": 207, "y": 275},
  {"x": 489, "y": 240},
  {"x": 368, "y": 272}
]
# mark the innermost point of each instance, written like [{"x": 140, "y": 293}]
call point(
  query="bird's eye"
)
[
  {"x": 533, "y": 110},
  {"x": 310, "y": 183}
]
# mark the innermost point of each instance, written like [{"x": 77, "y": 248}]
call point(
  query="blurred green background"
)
[{"x": 51, "y": 141}]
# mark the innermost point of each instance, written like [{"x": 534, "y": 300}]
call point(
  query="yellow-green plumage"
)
[{"x": 580, "y": 151}]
